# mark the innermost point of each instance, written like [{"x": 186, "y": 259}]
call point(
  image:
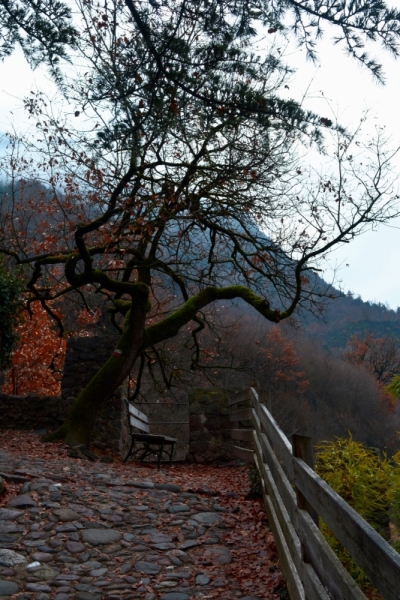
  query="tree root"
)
[
  {"x": 75, "y": 450},
  {"x": 82, "y": 451},
  {"x": 55, "y": 436}
]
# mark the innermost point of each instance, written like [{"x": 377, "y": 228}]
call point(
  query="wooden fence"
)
[{"x": 295, "y": 497}]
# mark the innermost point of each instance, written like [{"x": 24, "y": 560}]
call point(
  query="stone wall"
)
[
  {"x": 83, "y": 359},
  {"x": 210, "y": 439},
  {"x": 203, "y": 435},
  {"x": 84, "y": 356},
  {"x": 31, "y": 412}
]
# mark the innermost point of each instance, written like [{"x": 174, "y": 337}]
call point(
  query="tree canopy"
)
[
  {"x": 379, "y": 356},
  {"x": 173, "y": 168},
  {"x": 46, "y": 30}
]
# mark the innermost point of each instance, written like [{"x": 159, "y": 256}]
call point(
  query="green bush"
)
[
  {"x": 362, "y": 478},
  {"x": 394, "y": 498},
  {"x": 393, "y": 388},
  {"x": 255, "y": 481}
]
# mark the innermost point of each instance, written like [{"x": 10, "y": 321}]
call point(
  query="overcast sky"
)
[{"x": 374, "y": 257}]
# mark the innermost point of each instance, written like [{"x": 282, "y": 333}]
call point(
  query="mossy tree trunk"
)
[{"x": 78, "y": 427}]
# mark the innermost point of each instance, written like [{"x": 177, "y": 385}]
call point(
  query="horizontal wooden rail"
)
[
  {"x": 246, "y": 435},
  {"x": 240, "y": 415},
  {"x": 243, "y": 396},
  {"x": 379, "y": 561},
  {"x": 294, "y": 496},
  {"x": 243, "y": 453},
  {"x": 326, "y": 564}
]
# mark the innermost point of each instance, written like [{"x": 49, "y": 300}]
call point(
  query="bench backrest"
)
[{"x": 137, "y": 419}]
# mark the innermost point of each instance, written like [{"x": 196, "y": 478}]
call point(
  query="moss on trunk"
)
[
  {"x": 77, "y": 428},
  {"x": 80, "y": 422}
]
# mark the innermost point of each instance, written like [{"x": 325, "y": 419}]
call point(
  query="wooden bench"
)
[{"x": 155, "y": 445}]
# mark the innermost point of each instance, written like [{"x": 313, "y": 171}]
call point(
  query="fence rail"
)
[{"x": 295, "y": 497}]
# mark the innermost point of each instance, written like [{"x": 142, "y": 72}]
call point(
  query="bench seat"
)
[
  {"x": 151, "y": 444},
  {"x": 154, "y": 438}
]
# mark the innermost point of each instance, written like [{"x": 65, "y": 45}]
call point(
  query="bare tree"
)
[
  {"x": 183, "y": 184},
  {"x": 379, "y": 356}
]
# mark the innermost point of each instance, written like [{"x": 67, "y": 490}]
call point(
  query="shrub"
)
[
  {"x": 10, "y": 304},
  {"x": 363, "y": 478},
  {"x": 394, "y": 498},
  {"x": 255, "y": 481},
  {"x": 360, "y": 476}
]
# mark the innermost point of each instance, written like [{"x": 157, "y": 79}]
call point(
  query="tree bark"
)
[
  {"x": 78, "y": 426},
  {"x": 1, "y": 364}
]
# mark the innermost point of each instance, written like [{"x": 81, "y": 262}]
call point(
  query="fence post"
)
[
  {"x": 303, "y": 448},
  {"x": 265, "y": 398}
]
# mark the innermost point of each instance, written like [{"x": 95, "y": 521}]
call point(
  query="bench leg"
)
[
  {"x": 159, "y": 456},
  {"x": 147, "y": 451},
  {"x": 130, "y": 450},
  {"x": 171, "y": 454}
]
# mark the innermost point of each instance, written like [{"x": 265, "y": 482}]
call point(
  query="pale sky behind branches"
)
[{"x": 338, "y": 87}]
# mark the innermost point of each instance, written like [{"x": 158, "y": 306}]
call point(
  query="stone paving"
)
[{"x": 84, "y": 531}]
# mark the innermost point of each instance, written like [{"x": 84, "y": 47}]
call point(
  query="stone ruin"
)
[{"x": 201, "y": 424}]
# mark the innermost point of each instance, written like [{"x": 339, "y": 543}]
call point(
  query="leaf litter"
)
[{"x": 255, "y": 564}]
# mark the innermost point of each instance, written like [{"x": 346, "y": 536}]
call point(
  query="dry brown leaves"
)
[{"x": 255, "y": 568}]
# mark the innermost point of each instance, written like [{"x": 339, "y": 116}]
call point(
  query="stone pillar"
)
[
  {"x": 84, "y": 357},
  {"x": 210, "y": 439}
]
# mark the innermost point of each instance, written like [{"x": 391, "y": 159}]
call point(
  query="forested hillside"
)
[
  {"x": 301, "y": 364},
  {"x": 349, "y": 315}
]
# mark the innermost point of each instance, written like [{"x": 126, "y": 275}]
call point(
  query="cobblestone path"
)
[{"x": 87, "y": 531}]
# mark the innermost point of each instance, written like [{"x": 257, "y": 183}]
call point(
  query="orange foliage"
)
[
  {"x": 87, "y": 318},
  {"x": 38, "y": 359},
  {"x": 379, "y": 356},
  {"x": 280, "y": 361}
]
